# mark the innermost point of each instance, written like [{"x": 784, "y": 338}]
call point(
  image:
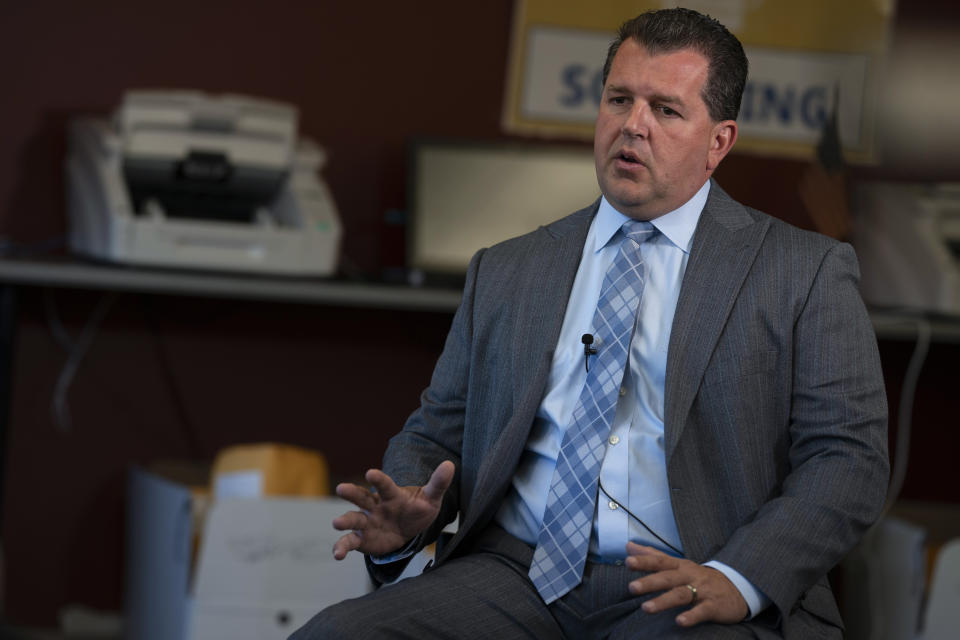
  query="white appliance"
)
[
  {"x": 185, "y": 179},
  {"x": 907, "y": 238}
]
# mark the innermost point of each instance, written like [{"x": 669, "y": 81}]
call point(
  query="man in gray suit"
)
[{"x": 742, "y": 446}]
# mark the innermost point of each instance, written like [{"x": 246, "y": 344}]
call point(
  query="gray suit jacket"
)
[{"x": 775, "y": 429}]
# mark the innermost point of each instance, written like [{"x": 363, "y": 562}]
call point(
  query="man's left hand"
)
[{"x": 717, "y": 600}]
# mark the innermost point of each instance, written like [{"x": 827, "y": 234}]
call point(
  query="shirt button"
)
[
  {"x": 613, "y": 505},
  {"x": 623, "y": 391},
  {"x": 614, "y": 439}
]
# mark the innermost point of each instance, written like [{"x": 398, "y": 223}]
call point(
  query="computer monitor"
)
[{"x": 466, "y": 196}]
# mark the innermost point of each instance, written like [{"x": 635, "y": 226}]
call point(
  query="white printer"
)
[
  {"x": 907, "y": 238},
  {"x": 185, "y": 179}
]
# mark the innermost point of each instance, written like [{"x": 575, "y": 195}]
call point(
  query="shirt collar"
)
[{"x": 677, "y": 226}]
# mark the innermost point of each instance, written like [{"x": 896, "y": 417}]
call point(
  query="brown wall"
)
[{"x": 175, "y": 377}]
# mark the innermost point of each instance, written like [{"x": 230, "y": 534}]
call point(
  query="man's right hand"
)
[{"x": 391, "y": 516}]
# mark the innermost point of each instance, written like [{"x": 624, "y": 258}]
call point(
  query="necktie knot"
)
[{"x": 638, "y": 230}]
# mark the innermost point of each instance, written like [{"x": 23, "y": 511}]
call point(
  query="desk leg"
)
[{"x": 8, "y": 334}]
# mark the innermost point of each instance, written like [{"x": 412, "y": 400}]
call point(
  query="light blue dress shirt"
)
[{"x": 634, "y": 465}]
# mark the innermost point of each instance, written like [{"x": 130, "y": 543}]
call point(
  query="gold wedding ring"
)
[{"x": 693, "y": 593}]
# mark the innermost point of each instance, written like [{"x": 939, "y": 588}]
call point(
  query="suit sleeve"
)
[
  {"x": 837, "y": 453},
  {"x": 434, "y": 432}
]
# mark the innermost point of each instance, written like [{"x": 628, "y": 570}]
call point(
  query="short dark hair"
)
[{"x": 669, "y": 30}]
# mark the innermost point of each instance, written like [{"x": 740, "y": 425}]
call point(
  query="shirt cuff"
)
[
  {"x": 756, "y": 600},
  {"x": 402, "y": 553}
]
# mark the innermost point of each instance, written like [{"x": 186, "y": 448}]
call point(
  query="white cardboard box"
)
[{"x": 265, "y": 565}]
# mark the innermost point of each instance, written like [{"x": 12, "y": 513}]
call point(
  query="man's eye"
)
[
  {"x": 667, "y": 111},
  {"x": 618, "y": 100}
]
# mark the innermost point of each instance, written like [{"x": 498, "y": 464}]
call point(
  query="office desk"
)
[{"x": 75, "y": 274}]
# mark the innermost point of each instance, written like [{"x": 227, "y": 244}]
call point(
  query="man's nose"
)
[{"x": 637, "y": 124}]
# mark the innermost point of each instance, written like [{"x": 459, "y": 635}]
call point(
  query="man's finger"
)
[
  {"x": 658, "y": 582},
  {"x": 346, "y": 544},
  {"x": 681, "y": 596},
  {"x": 643, "y": 558},
  {"x": 439, "y": 481},
  {"x": 695, "y": 615},
  {"x": 352, "y": 520},
  {"x": 383, "y": 483},
  {"x": 652, "y": 563},
  {"x": 359, "y": 496}
]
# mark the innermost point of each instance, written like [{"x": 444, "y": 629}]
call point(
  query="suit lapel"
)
[
  {"x": 724, "y": 247},
  {"x": 541, "y": 302}
]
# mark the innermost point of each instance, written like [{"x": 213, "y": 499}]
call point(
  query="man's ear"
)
[{"x": 723, "y": 136}]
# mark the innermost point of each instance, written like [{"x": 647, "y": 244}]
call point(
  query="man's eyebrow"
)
[{"x": 677, "y": 100}]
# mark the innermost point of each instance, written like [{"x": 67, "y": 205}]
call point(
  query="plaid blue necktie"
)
[{"x": 564, "y": 538}]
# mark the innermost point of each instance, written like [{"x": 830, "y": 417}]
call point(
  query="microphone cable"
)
[
  {"x": 589, "y": 350},
  {"x": 642, "y": 523}
]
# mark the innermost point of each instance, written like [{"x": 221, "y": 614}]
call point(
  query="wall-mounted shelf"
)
[
  {"x": 906, "y": 325},
  {"x": 70, "y": 273},
  {"x": 76, "y": 274}
]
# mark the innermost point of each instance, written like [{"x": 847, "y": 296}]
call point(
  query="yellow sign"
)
[{"x": 802, "y": 55}]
